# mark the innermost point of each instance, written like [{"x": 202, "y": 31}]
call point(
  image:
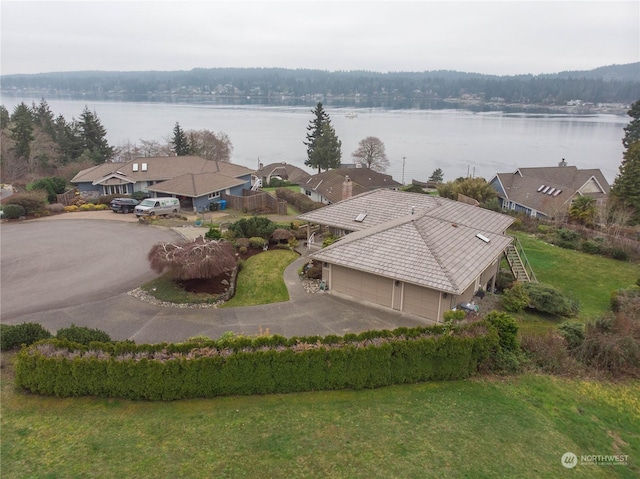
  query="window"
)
[
  {"x": 144, "y": 167},
  {"x": 135, "y": 167},
  {"x": 307, "y": 192},
  {"x": 214, "y": 195},
  {"x": 116, "y": 190}
]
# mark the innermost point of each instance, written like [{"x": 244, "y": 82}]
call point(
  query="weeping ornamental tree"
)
[{"x": 199, "y": 259}]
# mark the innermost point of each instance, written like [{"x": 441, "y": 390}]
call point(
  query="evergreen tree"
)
[
  {"x": 43, "y": 117},
  {"x": 93, "y": 136},
  {"x": 180, "y": 141},
  {"x": 626, "y": 186},
  {"x": 4, "y": 117},
  {"x": 437, "y": 176},
  {"x": 632, "y": 130},
  {"x": 22, "y": 131},
  {"x": 323, "y": 146}
]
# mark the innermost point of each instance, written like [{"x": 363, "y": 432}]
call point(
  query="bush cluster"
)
[
  {"x": 546, "y": 299},
  {"x": 299, "y": 201},
  {"x": 242, "y": 365},
  {"x": 253, "y": 227},
  {"x": 13, "y": 212},
  {"x": 14, "y": 336},
  {"x": 52, "y": 186},
  {"x": 33, "y": 202}
]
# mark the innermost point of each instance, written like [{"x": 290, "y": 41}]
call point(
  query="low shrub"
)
[
  {"x": 589, "y": 246},
  {"x": 547, "y": 299},
  {"x": 515, "y": 299},
  {"x": 314, "y": 272},
  {"x": 507, "y": 328},
  {"x": 257, "y": 242},
  {"x": 55, "y": 208},
  {"x": 71, "y": 208},
  {"x": 13, "y": 336},
  {"x": 33, "y": 202},
  {"x": 13, "y": 212},
  {"x": 572, "y": 332},
  {"x": 548, "y": 353},
  {"x": 504, "y": 279},
  {"x": 82, "y": 335},
  {"x": 299, "y": 201},
  {"x": 87, "y": 207},
  {"x": 213, "y": 233},
  {"x": 626, "y": 300}
]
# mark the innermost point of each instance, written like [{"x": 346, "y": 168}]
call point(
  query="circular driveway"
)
[
  {"x": 58, "y": 272},
  {"x": 53, "y": 264}
]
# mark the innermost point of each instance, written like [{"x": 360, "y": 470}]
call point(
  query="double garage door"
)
[{"x": 385, "y": 292}]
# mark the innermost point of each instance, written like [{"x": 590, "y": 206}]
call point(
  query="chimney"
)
[{"x": 347, "y": 188}]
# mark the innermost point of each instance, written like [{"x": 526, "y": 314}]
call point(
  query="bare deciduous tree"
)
[
  {"x": 210, "y": 145},
  {"x": 371, "y": 154},
  {"x": 199, "y": 259}
]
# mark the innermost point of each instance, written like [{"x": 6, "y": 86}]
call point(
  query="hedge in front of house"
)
[{"x": 244, "y": 366}]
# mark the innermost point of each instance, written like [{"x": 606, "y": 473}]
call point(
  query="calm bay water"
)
[{"x": 459, "y": 142}]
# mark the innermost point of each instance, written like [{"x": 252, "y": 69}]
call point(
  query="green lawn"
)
[
  {"x": 588, "y": 278},
  {"x": 511, "y": 427},
  {"x": 260, "y": 281}
]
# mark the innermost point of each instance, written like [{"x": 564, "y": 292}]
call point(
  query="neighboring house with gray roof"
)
[
  {"x": 328, "y": 187},
  {"x": 414, "y": 253},
  {"x": 195, "y": 181},
  {"x": 548, "y": 191}
]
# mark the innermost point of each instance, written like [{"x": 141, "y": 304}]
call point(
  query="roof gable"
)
[
  {"x": 196, "y": 185},
  {"x": 419, "y": 249},
  {"x": 161, "y": 168},
  {"x": 384, "y": 205}
]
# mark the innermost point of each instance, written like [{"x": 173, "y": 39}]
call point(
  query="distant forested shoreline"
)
[{"x": 610, "y": 88}]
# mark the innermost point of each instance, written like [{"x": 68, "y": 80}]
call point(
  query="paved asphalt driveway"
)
[{"x": 67, "y": 271}]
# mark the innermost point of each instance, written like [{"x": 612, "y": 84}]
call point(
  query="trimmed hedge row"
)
[{"x": 243, "y": 366}]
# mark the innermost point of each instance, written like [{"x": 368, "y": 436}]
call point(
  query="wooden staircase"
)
[{"x": 519, "y": 263}]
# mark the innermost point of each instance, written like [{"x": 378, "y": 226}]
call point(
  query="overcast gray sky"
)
[{"x": 503, "y": 37}]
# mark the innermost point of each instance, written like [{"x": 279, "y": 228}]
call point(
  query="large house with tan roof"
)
[
  {"x": 410, "y": 252},
  {"x": 195, "y": 181},
  {"x": 548, "y": 191}
]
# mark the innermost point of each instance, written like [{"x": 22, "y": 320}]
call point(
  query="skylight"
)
[
  {"x": 360, "y": 218},
  {"x": 541, "y": 188},
  {"x": 483, "y": 238}
]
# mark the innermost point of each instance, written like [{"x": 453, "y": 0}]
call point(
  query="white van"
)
[{"x": 157, "y": 206}]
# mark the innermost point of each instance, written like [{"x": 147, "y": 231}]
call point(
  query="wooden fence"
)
[
  {"x": 68, "y": 197},
  {"x": 256, "y": 201}
]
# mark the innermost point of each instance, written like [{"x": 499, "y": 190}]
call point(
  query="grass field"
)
[{"x": 485, "y": 427}]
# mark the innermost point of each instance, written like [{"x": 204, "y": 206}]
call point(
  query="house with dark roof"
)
[
  {"x": 195, "y": 181},
  {"x": 410, "y": 252},
  {"x": 283, "y": 171},
  {"x": 329, "y": 186},
  {"x": 548, "y": 191}
]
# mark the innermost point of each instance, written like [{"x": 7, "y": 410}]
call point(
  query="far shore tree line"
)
[{"x": 36, "y": 144}]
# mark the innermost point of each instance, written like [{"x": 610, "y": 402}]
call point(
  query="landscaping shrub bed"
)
[{"x": 242, "y": 366}]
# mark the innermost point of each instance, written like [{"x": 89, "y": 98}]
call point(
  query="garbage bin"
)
[
  {"x": 223, "y": 204},
  {"x": 213, "y": 206}
]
